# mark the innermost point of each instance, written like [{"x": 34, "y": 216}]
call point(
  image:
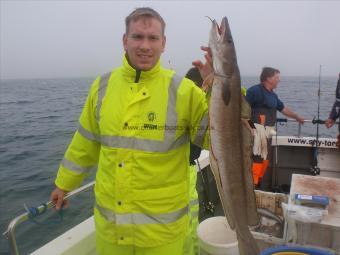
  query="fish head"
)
[{"x": 222, "y": 48}]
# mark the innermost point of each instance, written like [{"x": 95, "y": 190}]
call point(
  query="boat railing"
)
[
  {"x": 313, "y": 121},
  {"x": 10, "y": 232}
]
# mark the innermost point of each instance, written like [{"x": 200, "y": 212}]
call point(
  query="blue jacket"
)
[
  {"x": 265, "y": 102},
  {"x": 336, "y": 106},
  {"x": 335, "y": 112}
]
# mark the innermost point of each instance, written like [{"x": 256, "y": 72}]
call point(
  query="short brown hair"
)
[
  {"x": 268, "y": 72},
  {"x": 143, "y": 12}
]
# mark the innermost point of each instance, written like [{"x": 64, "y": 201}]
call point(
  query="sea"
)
[{"x": 37, "y": 120}]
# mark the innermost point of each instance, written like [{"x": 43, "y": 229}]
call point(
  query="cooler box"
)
[{"x": 326, "y": 232}]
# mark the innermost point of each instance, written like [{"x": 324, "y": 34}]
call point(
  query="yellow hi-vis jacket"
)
[{"x": 135, "y": 129}]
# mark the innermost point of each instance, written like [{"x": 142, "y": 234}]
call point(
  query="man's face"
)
[
  {"x": 274, "y": 80},
  {"x": 144, "y": 43}
]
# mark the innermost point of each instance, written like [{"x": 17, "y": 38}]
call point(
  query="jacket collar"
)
[{"x": 134, "y": 75}]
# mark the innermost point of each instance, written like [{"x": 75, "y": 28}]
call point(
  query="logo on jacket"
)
[{"x": 151, "y": 116}]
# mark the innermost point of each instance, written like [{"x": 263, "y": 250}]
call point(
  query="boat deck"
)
[{"x": 292, "y": 159}]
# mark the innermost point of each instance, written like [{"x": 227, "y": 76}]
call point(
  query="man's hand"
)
[
  {"x": 57, "y": 197},
  {"x": 300, "y": 120},
  {"x": 289, "y": 113},
  {"x": 206, "y": 68},
  {"x": 329, "y": 123}
]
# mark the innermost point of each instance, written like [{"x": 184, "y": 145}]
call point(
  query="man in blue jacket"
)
[{"x": 265, "y": 103}]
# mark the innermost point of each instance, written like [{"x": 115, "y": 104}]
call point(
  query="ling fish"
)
[{"x": 231, "y": 140}]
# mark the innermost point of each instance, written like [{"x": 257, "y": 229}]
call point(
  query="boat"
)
[{"x": 291, "y": 155}]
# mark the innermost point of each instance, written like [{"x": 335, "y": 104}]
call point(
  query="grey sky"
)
[{"x": 46, "y": 39}]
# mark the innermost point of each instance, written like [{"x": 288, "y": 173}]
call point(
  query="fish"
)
[
  {"x": 231, "y": 139},
  {"x": 270, "y": 223}
]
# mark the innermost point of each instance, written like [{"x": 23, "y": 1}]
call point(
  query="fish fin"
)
[
  {"x": 246, "y": 124},
  {"x": 226, "y": 92},
  {"x": 245, "y": 108}
]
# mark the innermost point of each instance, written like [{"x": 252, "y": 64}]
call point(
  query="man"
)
[
  {"x": 264, "y": 103},
  {"x": 335, "y": 112},
  {"x": 135, "y": 129}
]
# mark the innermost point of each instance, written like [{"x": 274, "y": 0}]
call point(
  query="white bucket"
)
[{"x": 216, "y": 237}]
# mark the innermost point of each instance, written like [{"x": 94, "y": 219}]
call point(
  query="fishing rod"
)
[
  {"x": 10, "y": 232},
  {"x": 276, "y": 181},
  {"x": 313, "y": 121},
  {"x": 319, "y": 95},
  {"x": 315, "y": 170}
]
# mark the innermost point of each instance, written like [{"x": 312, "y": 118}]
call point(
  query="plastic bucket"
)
[
  {"x": 216, "y": 238},
  {"x": 292, "y": 250}
]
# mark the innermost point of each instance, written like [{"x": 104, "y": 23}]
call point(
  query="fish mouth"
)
[
  {"x": 216, "y": 27},
  {"x": 222, "y": 31}
]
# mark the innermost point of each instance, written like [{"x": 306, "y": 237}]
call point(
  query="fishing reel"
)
[
  {"x": 314, "y": 170},
  {"x": 318, "y": 121}
]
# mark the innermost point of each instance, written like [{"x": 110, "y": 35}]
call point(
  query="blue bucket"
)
[{"x": 291, "y": 250}]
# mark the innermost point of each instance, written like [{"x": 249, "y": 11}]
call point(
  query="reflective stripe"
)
[
  {"x": 193, "y": 217},
  {"x": 171, "y": 117},
  {"x": 150, "y": 145},
  {"x": 101, "y": 92},
  {"x": 143, "y": 144},
  {"x": 193, "y": 202},
  {"x": 87, "y": 134},
  {"x": 141, "y": 218},
  {"x": 202, "y": 129},
  {"x": 76, "y": 168},
  {"x": 337, "y": 99}
]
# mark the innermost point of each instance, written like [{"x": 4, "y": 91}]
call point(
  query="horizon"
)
[{"x": 94, "y": 77}]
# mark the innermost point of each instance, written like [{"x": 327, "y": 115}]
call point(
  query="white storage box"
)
[{"x": 326, "y": 232}]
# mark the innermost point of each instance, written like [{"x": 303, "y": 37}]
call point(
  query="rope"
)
[{"x": 33, "y": 212}]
